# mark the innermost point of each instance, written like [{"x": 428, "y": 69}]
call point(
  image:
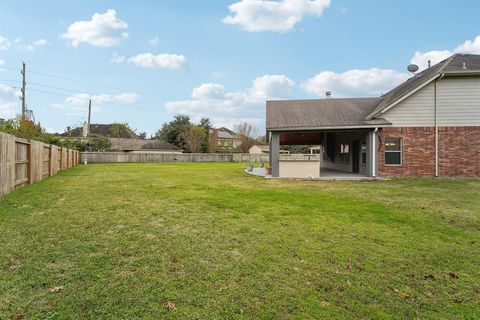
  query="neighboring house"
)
[
  {"x": 143, "y": 146},
  {"x": 228, "y": 141},
  {"x": 263, "y": 149},
  {"x": 427, "y": 126}
]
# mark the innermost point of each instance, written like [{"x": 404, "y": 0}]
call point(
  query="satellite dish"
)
[{"x": 412, "y": 68}]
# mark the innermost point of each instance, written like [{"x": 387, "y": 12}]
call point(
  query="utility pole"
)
[
  {"x": 89, "y": 114},
  {"x": 24, "y": 105}
]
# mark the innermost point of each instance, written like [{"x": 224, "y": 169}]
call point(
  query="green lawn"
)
[{"x": 119, "y": 241}]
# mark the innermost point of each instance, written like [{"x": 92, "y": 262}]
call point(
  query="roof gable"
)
[{"x": 455, "y": 64}]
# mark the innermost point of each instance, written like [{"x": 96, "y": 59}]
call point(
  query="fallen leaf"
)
[
  {"x": 56, "y": 289},
  {"x": 169, "y": 305},
  {"x": 20, "y": 317},
  {"x": 324, "y": 303},
  {"x": 453, "y": 275}
]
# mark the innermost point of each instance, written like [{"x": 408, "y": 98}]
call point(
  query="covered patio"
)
[
  {"x": 344, "y": 154},
  {"x": 345, "y": 145}
]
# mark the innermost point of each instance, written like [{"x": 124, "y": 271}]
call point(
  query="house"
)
[
  {"x": 228, "y": 140},
  {"x": 263, "y": 149},
  {"x": 427, "y": 126},
  {"x": 143, "y": 146}
]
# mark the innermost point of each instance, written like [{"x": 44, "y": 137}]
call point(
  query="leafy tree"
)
[
  {"x": 142, "y": 135},
  {"x": 194, "y": 138},
  {"x": 207, "y": 126},
  {"x": 175, "y": 130},
  {"x": 97, "y": 142},
  {"x": 23, "y": 128},
  {"x": 247, "y": 133},
  {"x": 121, "y": 130}
]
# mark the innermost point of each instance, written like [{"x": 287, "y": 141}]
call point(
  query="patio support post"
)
[
  {"x": 275, "y": 153},
  {"x": 372, "y": 154}
]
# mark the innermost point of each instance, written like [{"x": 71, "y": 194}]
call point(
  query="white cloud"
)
[
  {"x": 79, "y": 99},
  {"x": 2, "y": 62},
  {"x": 77, "y": 104},
  {"x": 8, "y": 101},
  {"x": 103, "y": 30},
  {"x": 227, "y": 107},
  {"x": 154, "y": 41},
  {"x": 421, "y": 58},
  {"x": 354, "y": 83},
  {"x": 4, "y": 43},
  {"x": 160, "y": 61},
  {"x": 34, "y": 45},
  {"x": 267, "y": 15},
  {"x": 116, "y": 58}
]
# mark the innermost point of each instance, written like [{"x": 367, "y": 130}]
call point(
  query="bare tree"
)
[
  {"x": 247, "y": 133},
  {"x": 194, "y": 137}
]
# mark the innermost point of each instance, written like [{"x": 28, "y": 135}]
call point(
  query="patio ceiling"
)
[{"x": 301, "y": 138}]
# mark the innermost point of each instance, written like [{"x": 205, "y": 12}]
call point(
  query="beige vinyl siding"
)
[
  {"x": 459, "y": 101},
  {"x": 415, "y": 111},
  {"x": 458, "y": 105}
]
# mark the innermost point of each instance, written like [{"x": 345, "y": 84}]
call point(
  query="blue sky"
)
[{"x": 143, "y": 61}]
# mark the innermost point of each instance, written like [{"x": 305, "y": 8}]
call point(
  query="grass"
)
[{"x": 119, "y": 241}]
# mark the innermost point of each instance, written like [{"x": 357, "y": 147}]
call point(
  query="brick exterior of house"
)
[{"x": 458, "y": 147}]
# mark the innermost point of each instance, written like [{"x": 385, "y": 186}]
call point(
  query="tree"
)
[
  {"x": 23, "y": 128},
  {"x": 207, "y": 126},
  {"x": 175, "y": 130},
  {"x": 194, "y": 138},
  {"x": 142, "y": 135},
  {"x": 246, "y": 133},
  {"x": 213, "y": 141},
  {"x": 97, "y": 142},
  {"x": 121, "y": 130}
]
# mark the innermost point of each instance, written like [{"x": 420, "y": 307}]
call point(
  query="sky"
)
[{"x": 142, "y": 62}]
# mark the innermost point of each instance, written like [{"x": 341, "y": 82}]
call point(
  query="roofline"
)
[
  {"x": 304, "y": 100},
  {"x": 462, "y": 73},
  {"x": 400, "y": 99},
  {"x": 367, "y": 126},
  {"x": 439, "y": 73}
]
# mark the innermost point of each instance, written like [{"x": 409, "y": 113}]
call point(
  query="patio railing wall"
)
[
  {"x": 121, "y": 157},
  {"x": 24, "y": 161}
]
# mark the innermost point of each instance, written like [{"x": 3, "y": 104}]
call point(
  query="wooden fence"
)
[
  {"x": 119, "y": 157},
  {"x": 24, "y": 161}
]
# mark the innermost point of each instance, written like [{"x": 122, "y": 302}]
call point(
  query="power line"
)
[
  {"x": 86, "y": 98},
  {"x": 61, "y": 77}
]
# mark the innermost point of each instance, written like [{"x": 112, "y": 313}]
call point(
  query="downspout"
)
[
  {"x": 374, "y": 153},
  {"x": 436, "y": 122}
]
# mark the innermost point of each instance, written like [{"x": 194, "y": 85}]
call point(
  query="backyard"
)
[{"x": 208, "y": 241}]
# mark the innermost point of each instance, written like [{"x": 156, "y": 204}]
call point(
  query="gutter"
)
[
  {"x": 353, "y": 127},
  {"x": 436, "y": 122}
]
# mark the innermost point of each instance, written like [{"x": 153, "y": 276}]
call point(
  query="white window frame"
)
[{"x": 392, "y": 151}]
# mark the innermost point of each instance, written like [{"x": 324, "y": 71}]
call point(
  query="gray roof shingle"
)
[{"x": 291, "y": 114}]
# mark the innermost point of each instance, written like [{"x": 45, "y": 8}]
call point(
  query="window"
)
[
  {"x": 364, "y": 153},
  {"x": 344, "y": 153},
  {"x": 393, "y": 151}
]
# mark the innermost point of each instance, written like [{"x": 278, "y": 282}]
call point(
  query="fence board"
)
[
  {"x": 122, "y": 157},
  {"x": 26, "y": 161}
]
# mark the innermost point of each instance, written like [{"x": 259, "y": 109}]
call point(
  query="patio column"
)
[
  {"x": 372, "y": 159},
  {"x": 275, "y": 153}
]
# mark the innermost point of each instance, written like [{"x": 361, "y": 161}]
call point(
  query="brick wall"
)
[{"x": 459, "y": 152}]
